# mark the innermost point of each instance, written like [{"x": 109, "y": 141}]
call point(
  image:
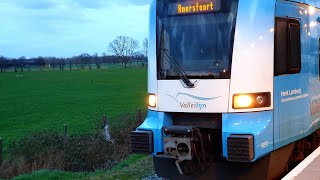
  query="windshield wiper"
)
[{"x": 165, "y": 54}]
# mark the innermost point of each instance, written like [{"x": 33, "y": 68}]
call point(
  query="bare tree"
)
[
  {"x": 71, "y": 62},
  {"x": 40, "y": 62},
  {"x": 145, "y": 46},
  {"x": 61, "y": 63},
  {"x": 2, "y": 63},
  {"x": 84, "y": 60},
  {"x": 138, "y": 56},
  {"x": 104, "y": 57},
  {"x": 124, "y": 48},
  {"x": 15, "y": 64},
  {"x": 21, "y": 62},
  {"x": 96, "y": 60},
  {"x": 53, "y": 63}
]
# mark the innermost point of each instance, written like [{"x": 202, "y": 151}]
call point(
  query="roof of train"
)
[{"x": 315, "y": 3}]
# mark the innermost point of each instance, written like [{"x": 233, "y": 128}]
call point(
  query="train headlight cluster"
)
[
  {"x": 152, "y": 100},
  {"x": 252, "y": 100}
]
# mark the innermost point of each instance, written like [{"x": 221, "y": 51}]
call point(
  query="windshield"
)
[{"x": 200, "y": 41}]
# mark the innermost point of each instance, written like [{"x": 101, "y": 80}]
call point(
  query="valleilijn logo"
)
[
  {"x": 196, "y": 105},
  {"x": 192, "y": 105}
]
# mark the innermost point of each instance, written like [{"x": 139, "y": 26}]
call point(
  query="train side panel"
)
[
  {"x": 314, "y": 86},
  {"x": 295, "y": 93}
]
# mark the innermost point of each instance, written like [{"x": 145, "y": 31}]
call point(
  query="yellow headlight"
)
[
  {"x": 251, "y": 100},
  {"x": 152, "y": 100},
  {"x": 242, "y": 101}
]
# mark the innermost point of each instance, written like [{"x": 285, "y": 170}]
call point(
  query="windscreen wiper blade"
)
[
  {"x": 165, "y": 53},
  {"x": 183, "y": 75}
]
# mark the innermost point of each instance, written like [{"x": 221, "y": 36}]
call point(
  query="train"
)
[{"x": 233, "y": 88}]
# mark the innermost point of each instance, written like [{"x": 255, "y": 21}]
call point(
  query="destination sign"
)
[{"x": 191, "y": 6}]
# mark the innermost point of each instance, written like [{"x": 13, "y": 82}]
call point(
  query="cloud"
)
[
  {"x": 97, "y": 4},
  {"x": 33, "y": 4},
  {"x": 92, "y": 4},
  {"x": 68, "y": 27},
  {"x": 106, "y": 3},
  {"x": 139, "y": 2},
  {"x": 89, "y": 4}
]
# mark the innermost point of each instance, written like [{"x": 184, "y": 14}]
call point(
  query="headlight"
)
[
  {"x": 152, "y": 100},
  {"x": 242, "y": 101},
  {"x": 252, "y": 100}
]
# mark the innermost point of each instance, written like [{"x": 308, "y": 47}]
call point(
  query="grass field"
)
[
  {"x": 134, "y": 167},
  {"x": 36, "y": 101}
]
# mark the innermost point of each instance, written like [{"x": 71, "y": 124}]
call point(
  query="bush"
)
[{"x": 86, "y": 152}]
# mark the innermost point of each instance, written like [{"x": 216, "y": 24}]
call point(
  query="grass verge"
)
[{"x": 134, "y": 167}]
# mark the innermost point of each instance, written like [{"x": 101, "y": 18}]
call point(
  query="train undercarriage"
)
[
  {"x": 193, "y": 149},
  {"x": 204, "y": 162}
]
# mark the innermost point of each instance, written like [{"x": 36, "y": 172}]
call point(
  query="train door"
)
[{"x": 291, "y": 104}]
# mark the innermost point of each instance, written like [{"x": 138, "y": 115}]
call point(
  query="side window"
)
[
  {"x": 294, "y": 61},
  {"x": 287, "y": 47}
]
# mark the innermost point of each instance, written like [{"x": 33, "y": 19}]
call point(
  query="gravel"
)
[{"x": 153, "y": 177}]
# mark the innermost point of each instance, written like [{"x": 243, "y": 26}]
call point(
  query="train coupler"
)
[{"x": 183, "y": 143}]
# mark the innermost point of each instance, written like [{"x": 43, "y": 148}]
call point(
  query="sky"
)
[{"x": 65, "y": 28}]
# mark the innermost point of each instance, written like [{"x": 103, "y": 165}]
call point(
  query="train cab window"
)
[{"x": 287, "y": 47}]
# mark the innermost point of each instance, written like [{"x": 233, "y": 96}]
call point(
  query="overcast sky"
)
[{"x": 65, "y": 28}]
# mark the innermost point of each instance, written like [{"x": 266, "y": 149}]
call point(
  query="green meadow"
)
[{"x": 46, "y": 100}]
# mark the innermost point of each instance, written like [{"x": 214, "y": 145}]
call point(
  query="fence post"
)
[
  {"x": 1, "y": 155},
  {"x": 104, "y": 121},
  {"x": 65, "y": 133}
]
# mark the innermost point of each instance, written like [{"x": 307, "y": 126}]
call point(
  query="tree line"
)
[{"x": 122, "y": 50}]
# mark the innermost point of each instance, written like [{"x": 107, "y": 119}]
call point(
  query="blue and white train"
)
[{"x": 234, "y": 87}]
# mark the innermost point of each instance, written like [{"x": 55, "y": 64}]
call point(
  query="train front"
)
[{"x": 210, "y": 84}]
